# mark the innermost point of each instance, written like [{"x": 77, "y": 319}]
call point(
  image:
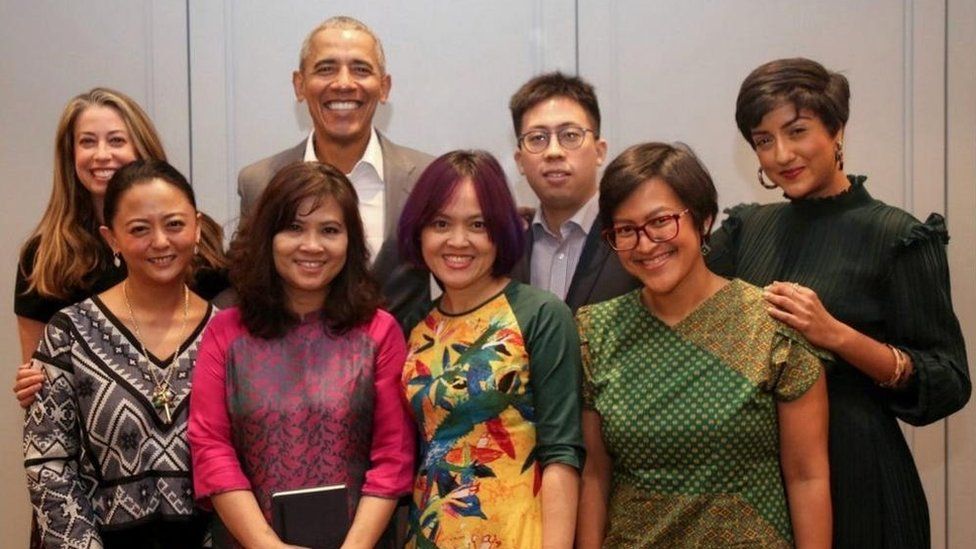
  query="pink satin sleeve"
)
[{"x": 394, "y": 445}]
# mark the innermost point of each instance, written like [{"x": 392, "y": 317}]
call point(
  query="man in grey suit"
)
[
  {"x": 342, "y": 78},
  {"x": 557, "y": 122}
]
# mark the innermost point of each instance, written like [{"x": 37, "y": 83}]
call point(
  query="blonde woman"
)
[{"x": 65, "y": 260}]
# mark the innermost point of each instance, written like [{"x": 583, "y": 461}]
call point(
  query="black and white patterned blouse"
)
[{"x": 98, "y": 455}]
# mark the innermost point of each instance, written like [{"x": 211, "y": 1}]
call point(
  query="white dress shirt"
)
[{"x": 367, "y": 178}]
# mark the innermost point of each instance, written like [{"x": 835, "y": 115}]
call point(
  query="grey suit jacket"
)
[
  {"x": 401, "y": 167},
  {"x": 402, "y": 285},
  {"x": 598, "y": 276}
]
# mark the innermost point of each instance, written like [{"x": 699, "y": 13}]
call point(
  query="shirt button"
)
[{"x": 561, "y": 256}]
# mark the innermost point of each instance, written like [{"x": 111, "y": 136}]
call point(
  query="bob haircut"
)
[
  {"x": 554, "y": 84},
  {"x": 800, "y": 82},
  {"x": 434, "y": 190},
  {"x": 676, "y": 165},
  {"x": 353, "y": 294}
]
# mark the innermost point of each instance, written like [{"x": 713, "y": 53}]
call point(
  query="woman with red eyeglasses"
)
[{"x": 705, "y": 420}]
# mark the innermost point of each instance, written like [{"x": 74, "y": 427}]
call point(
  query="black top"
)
[
  {"x": 206, "y": 283},
  {"x": 882, "y": 272}
]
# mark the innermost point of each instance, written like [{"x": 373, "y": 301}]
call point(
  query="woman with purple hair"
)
[{"x": 492, "y": 374}]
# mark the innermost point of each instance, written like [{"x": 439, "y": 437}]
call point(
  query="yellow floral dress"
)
[{"x": 495, "y": 393}]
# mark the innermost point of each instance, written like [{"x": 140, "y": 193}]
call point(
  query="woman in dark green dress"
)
[{"x": 857, "y": 277}]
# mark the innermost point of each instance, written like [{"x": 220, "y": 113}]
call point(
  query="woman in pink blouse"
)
[{"x": 297, "y": 386}]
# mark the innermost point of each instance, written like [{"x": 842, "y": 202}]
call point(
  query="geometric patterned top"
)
[
  {"x": 98, "y": 454},
  {"x": 495, "y": 394},
  {"x": 689, "y": 418}
]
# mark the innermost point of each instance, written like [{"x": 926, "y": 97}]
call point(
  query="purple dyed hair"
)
[{"x": 434, "y": 190}]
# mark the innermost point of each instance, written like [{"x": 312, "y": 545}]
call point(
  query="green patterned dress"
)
[{"x": 689, "y": 418}]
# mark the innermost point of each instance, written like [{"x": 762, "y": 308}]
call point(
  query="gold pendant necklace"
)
[{"x": 162, "y": 395}]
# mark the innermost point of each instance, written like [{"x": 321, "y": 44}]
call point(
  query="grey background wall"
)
[{"x": 215, "y": 77}]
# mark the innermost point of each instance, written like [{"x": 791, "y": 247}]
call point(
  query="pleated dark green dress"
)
[{"x": 884, "y": 273}]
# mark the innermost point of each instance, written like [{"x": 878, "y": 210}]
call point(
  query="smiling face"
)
[
  {"x": 342, "y": 82},
  {"x": 563, "y": 180},
  {"x": 662, "y": 267},
  {"x": 456, "y": 247},
  {"x": 310, "y": 252},
  {"x": 155, "y": 229},
  {"x": 797, "y": 152},
  {"x": 102, "y": 145}
]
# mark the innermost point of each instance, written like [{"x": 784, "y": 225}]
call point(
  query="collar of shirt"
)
[
  {"x": 583, "y": 219},
  {"x": 372, "y": 156}
]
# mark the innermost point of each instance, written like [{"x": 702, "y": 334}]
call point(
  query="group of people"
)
[{"x": 397, "y": 325}]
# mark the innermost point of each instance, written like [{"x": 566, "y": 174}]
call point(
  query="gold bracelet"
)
[
  {"x": 896, "y": 378},
  {"x": 906, "y": 367}
]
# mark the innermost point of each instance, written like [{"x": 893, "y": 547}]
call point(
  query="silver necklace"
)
[{"x": 162, "y": 396}]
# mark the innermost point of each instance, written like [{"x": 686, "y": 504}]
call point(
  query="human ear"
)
[{"x": 109, "y": 238}]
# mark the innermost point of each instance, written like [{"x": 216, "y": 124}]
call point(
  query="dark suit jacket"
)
[
  {"x": 598, "y": 276},
  {"x": 401, "y": 166}
]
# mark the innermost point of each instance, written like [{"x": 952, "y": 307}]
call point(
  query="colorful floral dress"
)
[
  {"x": 495, "y": 391},
  {"x": 689, "y": 418},
  {"x": 304, "y": 410}
]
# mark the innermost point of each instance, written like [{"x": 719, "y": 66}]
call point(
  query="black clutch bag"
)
[{"x": 312, "y": 517}]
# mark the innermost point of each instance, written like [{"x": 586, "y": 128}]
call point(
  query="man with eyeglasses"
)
[{"x": 557, "y": 122}]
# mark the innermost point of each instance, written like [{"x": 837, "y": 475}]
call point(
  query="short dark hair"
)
[
  {"x": 142, "y": 171},
  {"x": 801, "y": 82},
  {"x": 434, "y": 189},
  {"x": 554, "y": 84},
  {"x": 676, "y": 165},
  {"x": 353, "y": 294}
]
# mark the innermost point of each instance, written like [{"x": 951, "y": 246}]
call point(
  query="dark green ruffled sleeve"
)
[
  {"x": 724, "y": 241},
  {"x": 922, "y": 323},
  {"x": 555, "y": 376}
]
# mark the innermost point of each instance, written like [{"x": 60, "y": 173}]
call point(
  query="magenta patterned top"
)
[{"x": 300, "y": 411}]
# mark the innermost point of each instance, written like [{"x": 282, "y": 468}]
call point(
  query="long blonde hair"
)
[{"x": 68, "y": 245}]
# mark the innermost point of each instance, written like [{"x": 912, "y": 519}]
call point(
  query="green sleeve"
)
[
  {"x": 554, "y": 375},
  {"x": 794, "y": 364},
  {"x": 920, "y": 321},
  {"x": 583, "y": 319}
]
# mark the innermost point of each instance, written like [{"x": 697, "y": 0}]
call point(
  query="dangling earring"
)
[
  {"x": 117, "y": 259},
  {"x": 839, "y": 155},
  {"x": 763, "y": 181},
  {"x": 705, "y": 248},
  {"x": 196, "y": 249}
]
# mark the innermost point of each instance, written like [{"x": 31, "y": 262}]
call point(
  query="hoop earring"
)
[
  {"x": 763, "y": 181},
  {"x": 117, "y": 259},
  {"x": 839, "y": 155}
]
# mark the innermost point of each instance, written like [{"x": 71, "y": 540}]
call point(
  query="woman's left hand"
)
[{"x": 799, "y": 308}]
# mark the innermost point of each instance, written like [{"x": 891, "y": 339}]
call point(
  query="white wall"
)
[{"x": 215, "y": 75}]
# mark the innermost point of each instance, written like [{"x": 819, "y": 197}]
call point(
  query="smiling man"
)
[
  {"x": 557, "y": 122},
  {"x": 342, "y": 79}
]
